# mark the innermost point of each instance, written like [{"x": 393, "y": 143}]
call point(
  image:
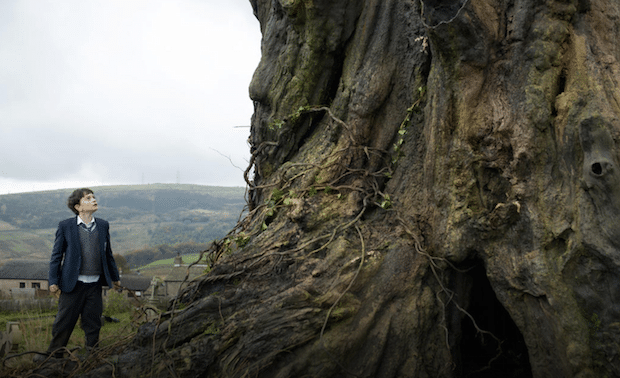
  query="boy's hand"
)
[{"x": 54, "y": 289}]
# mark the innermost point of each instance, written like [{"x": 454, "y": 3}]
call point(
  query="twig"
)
[
  {"x": 258, "y": 150},
  {"x": 332, "y": 116},
  {"x": 229, "y": 159}
]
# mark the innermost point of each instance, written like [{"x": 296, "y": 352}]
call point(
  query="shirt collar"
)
[{"x": 79, "y": 220}]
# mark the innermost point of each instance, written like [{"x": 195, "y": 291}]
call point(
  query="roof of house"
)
[
  {"x": 135, "y": 282},
  {"x": 178, "y": 273},
  {"x": 24, "y": 269}
]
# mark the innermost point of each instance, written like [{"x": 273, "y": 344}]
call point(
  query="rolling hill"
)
[{"x": 140, "y": 216}]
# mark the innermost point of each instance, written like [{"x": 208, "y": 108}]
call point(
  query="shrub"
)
[{"x": 116, "y": 303}]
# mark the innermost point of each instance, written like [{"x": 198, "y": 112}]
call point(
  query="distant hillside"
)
[
  {"x": 163, "y": 254},
  {"x": 140, "y": 216}
]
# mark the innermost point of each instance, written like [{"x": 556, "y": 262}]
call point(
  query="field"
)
[
  {"x": 36, "y": 334},
  {"x": 22, "y": 244},
  {"x": 187, "y": 259}
]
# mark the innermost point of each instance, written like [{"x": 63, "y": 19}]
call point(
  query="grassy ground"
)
[
  {"x": 187, "y": 259},
  {"x": 36, "y": 334}
]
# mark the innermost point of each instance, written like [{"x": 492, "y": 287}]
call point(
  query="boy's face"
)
[{"x": 88, "y": 203}]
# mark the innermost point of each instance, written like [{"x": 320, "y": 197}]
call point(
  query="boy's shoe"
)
[{"x": 40, "y": 357}]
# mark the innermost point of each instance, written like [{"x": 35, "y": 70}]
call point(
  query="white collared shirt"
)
[
  {"x": 92, "y": 221},
  {"x": 81, "y": 277}
]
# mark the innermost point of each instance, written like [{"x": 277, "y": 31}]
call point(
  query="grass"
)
[
  {"x": 187, "y": 259},
  {"x": 36, "y": 334},
  {"x": 22, "y": 243},
  {"x": 9, "y": 316},
  {"x": 17, "y": 235}
]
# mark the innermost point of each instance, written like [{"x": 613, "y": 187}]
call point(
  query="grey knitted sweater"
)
[{"x": 91, "y": 255}]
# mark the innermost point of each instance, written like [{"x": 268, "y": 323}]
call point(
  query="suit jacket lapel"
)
[
  {"x": 75, "y": 235},
  {"x": 101, "y": 234}
]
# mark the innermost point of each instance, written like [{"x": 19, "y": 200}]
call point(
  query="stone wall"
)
[{"x": 16, "y": 305}]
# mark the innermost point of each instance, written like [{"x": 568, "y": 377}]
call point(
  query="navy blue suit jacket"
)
[{"x": 66, "y": 257}]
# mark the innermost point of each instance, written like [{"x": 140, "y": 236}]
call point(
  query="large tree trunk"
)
[{"x": 435, "y": 193}]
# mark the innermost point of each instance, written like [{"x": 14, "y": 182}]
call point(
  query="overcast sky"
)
[{"x": 105, "y": 92}]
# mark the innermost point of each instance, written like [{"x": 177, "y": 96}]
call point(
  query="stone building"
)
[
  {"x": 23, "y": 278},
  {"x": 180, "y": 276}
]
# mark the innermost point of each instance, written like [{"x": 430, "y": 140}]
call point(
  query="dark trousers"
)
[{"x": 84, "y": 300}]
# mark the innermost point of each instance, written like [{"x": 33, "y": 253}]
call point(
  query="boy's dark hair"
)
[{"x": 76, "y": 196}]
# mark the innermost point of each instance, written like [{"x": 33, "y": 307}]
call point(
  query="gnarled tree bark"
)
[{"x": 435, "y": 193}]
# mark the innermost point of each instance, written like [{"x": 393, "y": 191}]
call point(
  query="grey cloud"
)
[{"x": 139, "y": 89}]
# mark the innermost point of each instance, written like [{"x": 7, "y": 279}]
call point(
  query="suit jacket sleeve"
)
[
  {"x": 58, "y": 252},
  {"x": 112, "y": 268}
]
